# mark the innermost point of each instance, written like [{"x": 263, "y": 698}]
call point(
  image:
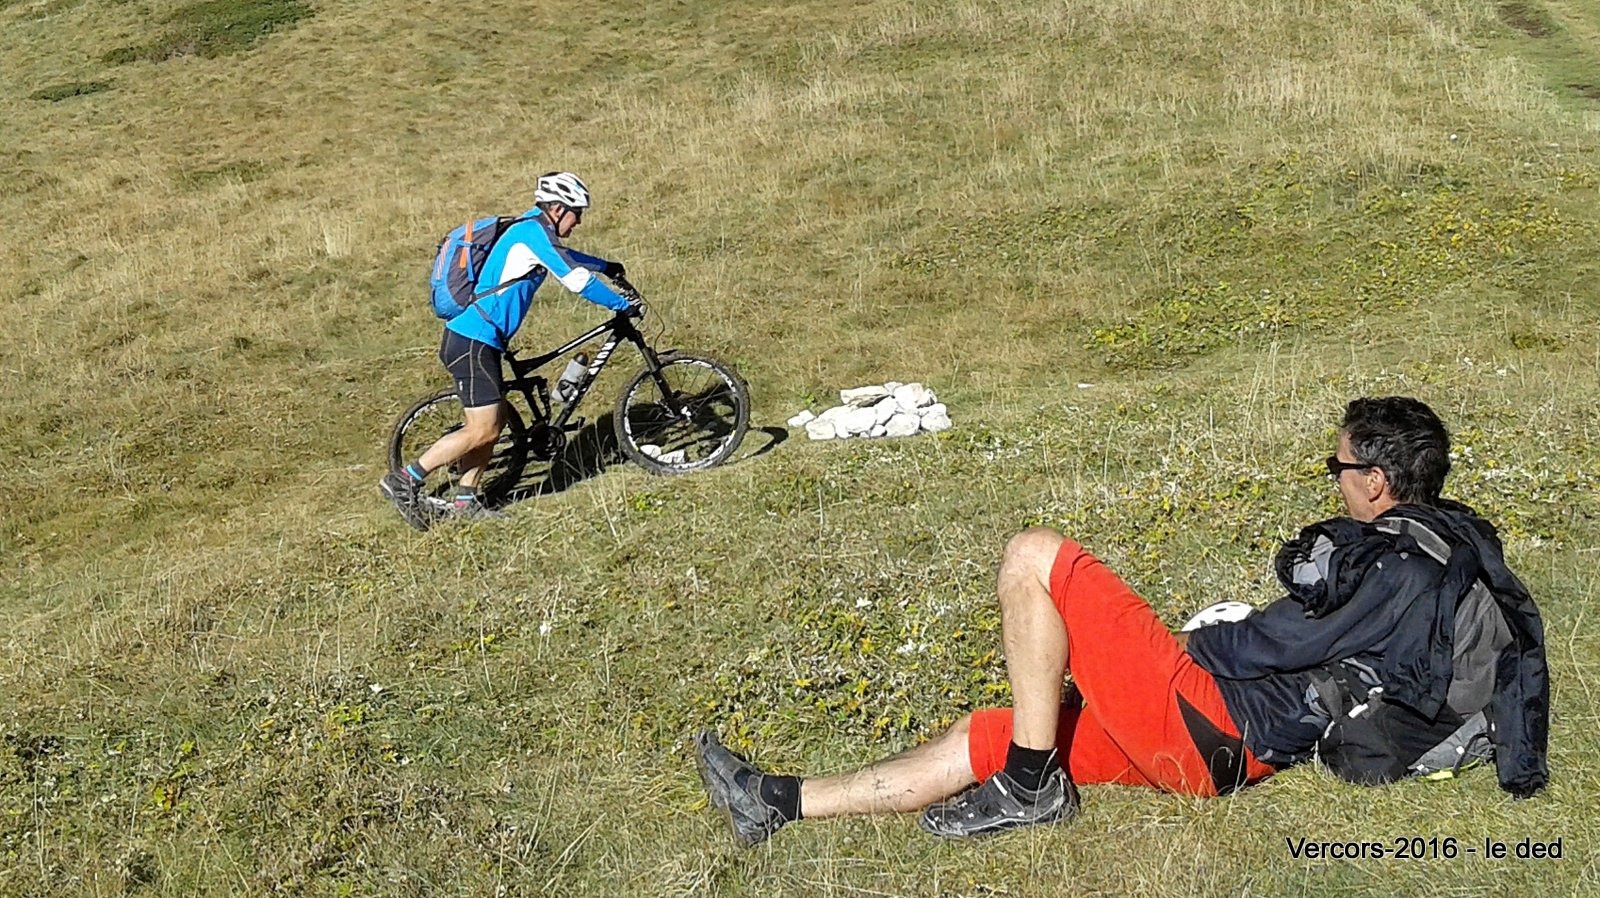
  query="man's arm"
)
[
  {"x": 1282, "y": 639},
  {"x": 593, "y": 263},
  {"x": 568, "y": 268}
]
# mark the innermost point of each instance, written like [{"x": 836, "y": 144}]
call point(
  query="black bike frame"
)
[{"x": 531, "y": 385}]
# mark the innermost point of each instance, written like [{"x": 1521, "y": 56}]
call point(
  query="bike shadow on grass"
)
[
  {"x": 594, "y": 449},
  {"x": 774, "y": 436},
  {"x": 587, "y": 454}
]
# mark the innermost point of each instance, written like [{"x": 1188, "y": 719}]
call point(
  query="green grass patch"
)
[
  {"x": 1378, "y": 248},
  {"x": 55, "y": 93},
  {"x": 215, "y": 28},
  {"x": 242, "y": 170},
  {"x": 1528, "y": 18},
  {"x": 1561, "y": 37}
]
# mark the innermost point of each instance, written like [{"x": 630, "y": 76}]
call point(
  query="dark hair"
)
[{"x": 1404, "y": 438}]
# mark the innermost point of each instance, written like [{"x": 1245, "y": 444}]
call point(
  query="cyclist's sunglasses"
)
[{"x": 1337, "y": 467}]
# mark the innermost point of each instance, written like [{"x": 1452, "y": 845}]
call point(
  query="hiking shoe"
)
[
  {"x": 734, "y": 786},
  {"x": 399, "y": 488},
  {"x": 474, "y": 511},
  {"x": 1000, "y": 804}
]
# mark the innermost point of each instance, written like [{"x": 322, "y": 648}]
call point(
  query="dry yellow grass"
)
[{"x": 212, "y": 280}]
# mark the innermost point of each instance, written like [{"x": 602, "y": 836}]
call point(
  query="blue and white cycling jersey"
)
[{"x": 528, "y": 246}]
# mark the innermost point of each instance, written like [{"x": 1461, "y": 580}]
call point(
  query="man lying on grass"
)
[{"x": 1404, "y": 647}]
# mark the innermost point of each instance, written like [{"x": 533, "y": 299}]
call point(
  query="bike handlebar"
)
[{"x": 631, "y": 293}]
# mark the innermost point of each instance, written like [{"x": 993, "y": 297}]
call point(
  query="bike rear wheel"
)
[
  {"x": 431, "y": 418},
  {"x": 688, "y": 416}
]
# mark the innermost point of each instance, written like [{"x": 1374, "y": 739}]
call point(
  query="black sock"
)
[
  {"x": 783, "y": 793},
  {"x": 1028, "y": 767}
]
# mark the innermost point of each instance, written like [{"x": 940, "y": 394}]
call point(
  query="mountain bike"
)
[{"x": 680, "y": 413}]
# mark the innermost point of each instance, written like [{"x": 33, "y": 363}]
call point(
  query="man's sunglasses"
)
[{"x": 1337, "y": 467}]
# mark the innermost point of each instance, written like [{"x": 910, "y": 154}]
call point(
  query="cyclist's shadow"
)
[{"x": 587, "y": 454}]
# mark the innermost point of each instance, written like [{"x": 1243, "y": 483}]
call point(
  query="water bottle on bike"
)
[{"x": 567, "y": 385}]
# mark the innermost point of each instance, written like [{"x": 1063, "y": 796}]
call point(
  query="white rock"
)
[
  {"x": 885, "y": 409},
  {"x": 935, "y": 423},
  {"x": 835, "y": 413},
  {"x": 856, "y": 421},
  {"x": 902, "y": 425},
  {"x": 862, "y": 395},
  {"x": 936, "y": 409},
  {"x": 820, "y": 429},
  {"x": 802, "y": 419},
  {"x": 892, "y": 385},
  {"x": 914, "y": 395},
  {"x": 651, "y": 450},
  {"x": 877, "y": 430}
]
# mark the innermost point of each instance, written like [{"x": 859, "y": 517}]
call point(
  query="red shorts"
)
[{"x": 1145, "y": 714}]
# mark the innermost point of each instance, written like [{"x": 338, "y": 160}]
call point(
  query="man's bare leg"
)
[
  {"x": 1032, "y": 788},
  {"x": 1034, "y": 636},
  {"x": 473, "y": 461},
  {"x": 757, "y": 804},
  {"x": 472, "y": 445},
  {"x": 1036, "y": 661},
  {"x": 933, "y": 771},
  {"x": 1035, "y": 640}
]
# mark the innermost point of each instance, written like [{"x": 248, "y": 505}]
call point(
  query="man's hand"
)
[
  {"x": 614, "y": 270},
  {"x": 635, "y": 309}
]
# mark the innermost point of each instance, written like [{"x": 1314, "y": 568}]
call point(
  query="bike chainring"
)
[{"x": 545, "y": 442}]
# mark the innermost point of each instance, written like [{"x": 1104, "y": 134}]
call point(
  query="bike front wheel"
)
[
  {"x": 432, "y": 418},
  {"x": 688, "y": 415}
]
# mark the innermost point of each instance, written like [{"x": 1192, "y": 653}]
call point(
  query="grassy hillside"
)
[{"x": 1145, "y": 250}]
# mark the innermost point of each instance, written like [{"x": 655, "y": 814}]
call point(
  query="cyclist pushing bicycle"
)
[
  {"x": 680, "y": 413},
  {"x": 484, "y": 278}
]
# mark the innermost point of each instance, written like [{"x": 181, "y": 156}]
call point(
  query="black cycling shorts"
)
[{"x": 475, "y": 367}]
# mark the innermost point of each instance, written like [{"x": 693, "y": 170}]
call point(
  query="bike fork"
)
[{"x": 653, "y": 363}]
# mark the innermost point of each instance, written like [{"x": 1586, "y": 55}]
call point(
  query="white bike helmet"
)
[
  {"x": 1220, "y": 613},
  {"x": 562, "y": 187}
]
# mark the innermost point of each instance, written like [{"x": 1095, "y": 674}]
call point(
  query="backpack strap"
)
[
  {"x": 532, "y": 273},
  {"x": 1426, "y": 539},
  {"x": 465, "y": 255},
  {"x": 473, "y": 303},
  {"x": 1480, "y": 630}
]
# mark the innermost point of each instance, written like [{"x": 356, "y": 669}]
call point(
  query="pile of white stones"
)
[{"x": 891, "y": 410}]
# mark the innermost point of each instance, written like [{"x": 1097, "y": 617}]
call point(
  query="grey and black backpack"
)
[{"x": 1372, "y": 740}]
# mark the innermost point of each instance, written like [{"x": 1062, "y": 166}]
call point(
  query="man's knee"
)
[
  {"x": 1032, "y": 553},
  {"x": 483, "y": 429},
  {"x": 961, "y": 729},
  {"x": 482, "y": 434}
]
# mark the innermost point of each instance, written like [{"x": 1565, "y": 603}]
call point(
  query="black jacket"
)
[{"x": 1378, "y": 599}]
